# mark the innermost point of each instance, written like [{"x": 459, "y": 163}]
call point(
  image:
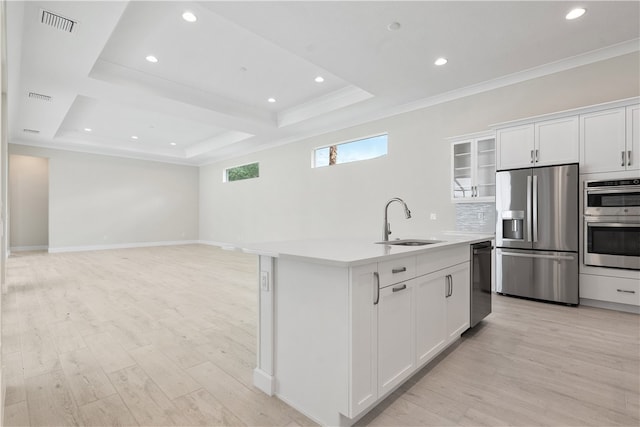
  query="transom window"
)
[
  {"x": 238, "y": 173},
  {"x": 351, "y": 151}
]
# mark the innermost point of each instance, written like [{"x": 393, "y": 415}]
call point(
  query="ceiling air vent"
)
[
  {"x": 39, "y": 96},
  {"x": 57, "y": 21},
  {"x": 30, "y": 131}
]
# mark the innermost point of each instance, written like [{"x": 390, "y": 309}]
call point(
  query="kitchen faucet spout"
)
[{"x": 386, "y": 226}]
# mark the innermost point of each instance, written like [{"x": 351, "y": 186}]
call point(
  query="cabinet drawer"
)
[
  {"x": 612, "y": 289},
  {"x": 442, "y": 258},
  {"x": 397, "y": 270}
]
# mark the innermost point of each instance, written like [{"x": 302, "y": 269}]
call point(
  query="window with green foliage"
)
[
  {"x": 351, "y": 151},
  {"x": 252, "y": 170}
]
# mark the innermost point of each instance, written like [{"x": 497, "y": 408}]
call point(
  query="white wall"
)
[
  {"x": 291, "y": 200},
  {"x": 28, "y": 202},
  {"x": 102, "y": 201}
]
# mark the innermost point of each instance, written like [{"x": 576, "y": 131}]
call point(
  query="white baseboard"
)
[
  {"x": 264, "y": 381},
  {"x": 120, "y": 246},
  {"x": 28, "y": 248}
]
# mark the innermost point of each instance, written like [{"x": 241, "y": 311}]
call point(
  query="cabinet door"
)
[
  {"x": 515, "y": 147},
  {"x": 363, "y": 327},
  {"x": 633, "y": 137},
  {"x": 557, "y": 141},
  {"x": 485, "y": 168},
  {"x": 396, "y": 351},
  {"x": 461, "y": 170},
  {"x": 458, "y": 305},
  {"x": 602, "y": 139},
  {"x": 431, "y": 317}
]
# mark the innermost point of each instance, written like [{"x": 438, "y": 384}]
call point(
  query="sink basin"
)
[{"x": 409, "y": 242}]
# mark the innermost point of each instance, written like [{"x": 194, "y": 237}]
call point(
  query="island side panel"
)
[
  {"x": 263, "y": 374},
  {"x": 311, "y": 339}
]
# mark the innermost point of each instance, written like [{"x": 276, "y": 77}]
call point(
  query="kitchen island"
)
[{"x": 343, "y": 323}]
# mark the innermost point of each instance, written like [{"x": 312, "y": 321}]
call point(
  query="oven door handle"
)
[
  {"x": 612, "y": 224},
  {"x": 621, "y": 189}
]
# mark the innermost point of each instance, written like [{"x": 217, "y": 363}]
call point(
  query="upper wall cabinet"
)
[
  {"x": 473, "y": 168},
  {"x": 610, "y": 140},
  {"x": 540, "y": 143}
]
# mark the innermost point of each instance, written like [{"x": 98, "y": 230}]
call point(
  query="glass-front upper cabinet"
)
[{"x": 473, "y": 168}]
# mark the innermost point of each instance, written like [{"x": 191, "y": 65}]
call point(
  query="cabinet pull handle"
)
[
  {"x": 537, "y": 155},
  {"x": 449, "y": 286},
  {"x": 531, "y": 156},
  {"x": 399, "y": 288},
  {"x": 622, "y": 164},
  {"x": 626, "y": 291},
  {"x": 377, "y": 284},
  {"x": 629, "y": 158},
  {"x": 399, "y": 270}
]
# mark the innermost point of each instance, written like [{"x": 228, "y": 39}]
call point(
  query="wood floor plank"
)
[
  {"x": 113, "y": 359},
  {"x": 202, "y": 409},
  {"x": 252, "y": 407},
  {"x": 146, "y": 402},
  {"x": 50, "y": 402},
  {"x": 86, "y": 379},
  {"x": 171, "y": 379},
  {"x": 16, "y": 415},
  {"x": 108, "y": 411}
]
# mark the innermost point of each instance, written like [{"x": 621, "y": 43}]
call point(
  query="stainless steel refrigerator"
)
[{"x": 537, "y": 233}]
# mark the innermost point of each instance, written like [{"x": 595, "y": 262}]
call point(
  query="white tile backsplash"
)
[{"x": 477, "y": 217}]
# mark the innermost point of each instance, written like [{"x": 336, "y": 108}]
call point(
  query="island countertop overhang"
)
[{"x": 357, "y": 251}]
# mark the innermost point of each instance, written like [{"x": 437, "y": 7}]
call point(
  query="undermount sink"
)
[{"x": 409, "y": 242}]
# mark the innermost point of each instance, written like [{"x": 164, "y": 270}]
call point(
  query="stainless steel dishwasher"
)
[{"x": 480, "y": 281}]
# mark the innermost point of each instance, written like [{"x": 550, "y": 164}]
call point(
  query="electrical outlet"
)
[
  {"x": 480, "y": 215},
  {"x": 264, "y": 281},
  {"x": 432, "y": 216}
]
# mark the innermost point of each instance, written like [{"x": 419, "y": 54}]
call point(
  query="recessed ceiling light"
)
[
  {"x": 151, "y": 58},
  {"x": 319, "y": 79},
  {"x": 172, "y": 143},
  {"x": 394, "y": 26},
  {"x": 271, "y": 100},
  {"x": 134, "y": 137},
  {"x": 575, "y": 13},
  {"x": 88, "y": 129},
  {"x": 189, "y": 16},
  {"x": 441, "y": 61}
]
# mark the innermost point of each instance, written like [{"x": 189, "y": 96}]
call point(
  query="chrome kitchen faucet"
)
[{"x": 387, "y": 227}]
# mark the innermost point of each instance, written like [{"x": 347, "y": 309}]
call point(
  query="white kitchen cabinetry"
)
[
  {"x": 557, "y": 142},
  {"x": 396, "y": 342},
  {"x": 345, "y": 336},
  {"x": 543, "y": 143},
  {"x": 473, "y": 167},
  {"x": 363, "y": 379},
  {"x": 457, "y": 300},
  {"x": 603, "y": 139},
  {"x": 514, "y": 147},
  {"x": 619, "y": 290}
]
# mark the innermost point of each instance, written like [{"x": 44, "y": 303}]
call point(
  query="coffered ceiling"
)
[{"x": 80, "y": 80}]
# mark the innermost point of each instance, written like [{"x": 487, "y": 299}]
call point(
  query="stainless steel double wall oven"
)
[{"x": 612, "y": 223}]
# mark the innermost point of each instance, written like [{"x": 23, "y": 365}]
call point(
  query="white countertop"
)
[{"x": 351, "y": 252}]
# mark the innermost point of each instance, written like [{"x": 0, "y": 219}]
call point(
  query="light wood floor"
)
[{"x": 166, "y": 336}]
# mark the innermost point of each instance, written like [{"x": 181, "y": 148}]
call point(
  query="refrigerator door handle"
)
[
  {"x": 527, "y": 230},
  {"x": 542, "y": 256},
  {"x": 535, "y": 209}
]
